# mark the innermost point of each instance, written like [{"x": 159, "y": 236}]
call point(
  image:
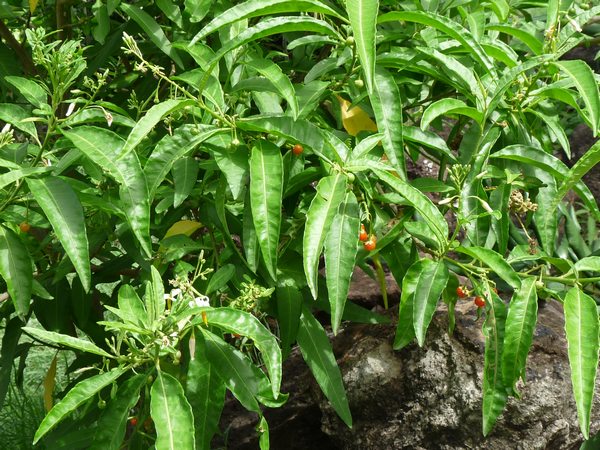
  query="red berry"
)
[
  {"x": 479, "y": 302},
  {"x": 297, "y": 150},
  {"x": 363, "y": 235},
  {"x": 24, "y": 227},
  {"x": 133, "y": 421},
  {"x": 460, "y": 291},
  {"x": 371, "y": 243}
]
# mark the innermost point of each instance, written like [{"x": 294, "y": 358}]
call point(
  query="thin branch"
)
[{"x": 26, "y": 61}]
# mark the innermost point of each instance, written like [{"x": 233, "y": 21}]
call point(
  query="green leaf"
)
[
  {"x": 447, "y": 106},
  {"x": 15, "y": 115},
  {"x": 363, "y": 21},
  {"x": 520, "y": 326},
  {"x": 16, "y": 269},
  {"x": 266, "y": 192},
  {"x": 340, "y": 255},
  {"x": 171, "y": 10},
  {"x": 103, "y": 147},
  {"x": 583, "y": 77},
  {"x": 534, "y": 44},
  {"x": 263, "y": 429},
  {"x": 245, "y": 381},
  {"x": 445, "y": 25},
  {"x": 316, "y": 351},
  {"x": 320, "y": 215},
  {"x": 299, "y": 131},
  {"x": 66, "y": 340},
  {"x": 581, "y": 326},
  {"x": 495, "y": 262},
  {"x": 220, "y": 278},
  {"x": 289, "y": 309},
  {"x": 430, "y": 214},
  {"x": 171, "y": 413},
  {"x": 153, "y": 30},
  {"x": 430, "y": 283},
  {"x": 494, "y": 388},
  {"x": 82, "y": 392},
  {"x": 152, "y": 117},
  {"x": 206, "y": 393},
  {"x": 234, "y": 165},
  {"x": 155, "y": 296},
  {"x": 8, "y": 352},
  {"x": 16, "y": 174},
  {"x": 197, "y": 9},
  {"x": 64, "y": 212},
  {"x": 281, "y": 82},
  {"x": 110, "y": 431},
  {"x": 428, "y": 140},
  {"x": 185, "y": 174},
  {"x": 131, "y": 307},
  {"x": 261, "y": 8},
  {"x": 387, "y": 106},
  {"x": 170, "y": 148},
  {"x": 32, "y": 91},
  {"x": 588, "y": 264},
  {"x": 245, "y": 324}
]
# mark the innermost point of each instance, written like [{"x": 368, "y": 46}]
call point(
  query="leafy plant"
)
[{"x": 260, "y": 139}]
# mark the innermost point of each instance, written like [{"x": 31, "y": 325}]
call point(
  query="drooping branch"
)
[{"x": 26, "y": 61}]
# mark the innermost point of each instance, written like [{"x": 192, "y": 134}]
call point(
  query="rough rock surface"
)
[{"x": 423, "y": 398}]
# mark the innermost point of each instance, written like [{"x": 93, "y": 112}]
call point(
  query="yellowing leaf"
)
[
  {"x": 355, "y": 119},
  {"x": 186, "y": 227},
  {"x": 49, "y": 382},
  {"x": 32, "y": 5}
]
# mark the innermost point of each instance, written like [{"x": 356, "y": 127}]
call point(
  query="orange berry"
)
[
  {"x": 297, "y": 150},
  {"x": 371, "y": 244},
  {"x": 24, "y": 227},
  {"x": 460, "y": 292},
  {"x": 363, "y": 235},
  {"x": 133, "y": 421},
  {"x": 479, "y": 302}
]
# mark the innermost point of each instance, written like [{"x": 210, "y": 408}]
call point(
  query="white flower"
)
[
  {"x": 70, "y": 109},
  {"x": 199, "y": 302}
]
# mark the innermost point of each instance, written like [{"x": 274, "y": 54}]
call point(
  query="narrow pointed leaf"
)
[
  {"x": 110, "y": 431},
  {"x": 495, "y": 262},
  {"x": 32, "y": 91},
  {"x": 316, "y": 351},
  {"x": 16, "y": 174},
  {"x": 387, "y": 106},
  {"x": 82, "y": 392},
  {"x": 520, "y": 326},
  {"x": 16, "y": 269},
  {"x": 581, "y": 326},
  {"x": 261, "y": 8},
  {"x": 494, "y": 388},
  {"x": 67, "y": 341},
  {"x": 185, "y": 174},
  {"x": 281, "y": 82},
  {"x": 363, "y": 20},
  {"x": 103, "y": 147},
  {"x": 266, "y": 192},
  {"x": 64, "y": 212},
  {"x": 429, "y": 286},
  {"x": 448, "y": 106},
  {"x": 172, "y": 414},
  {"x": 289, "y": 309},
  {"x": 8, "y": 352},
  {"x": 245, "y": 324},
  {"x": 322, "y": 210},
  {"x": 340, "y": 255}
]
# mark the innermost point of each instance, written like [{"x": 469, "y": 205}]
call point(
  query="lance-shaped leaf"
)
[
  {"x": 281, "y": 82},
  {"x": 185, "y": 174},
  {"x": 405, "y": 330},
  {"x": 245, "y": 324},
  {"x": 430, "y": 214},
  {"x": 66, "y": 340},
  {"x": 581, "y": 326},
  {"x": 261, "y": 8},
  {"x": 520, "y": 326},
  {"x": 8, "y": 352},
  {"x": 266, "y": 192},
  {"x": 171, "y": 413},
  {"x": 340, "y": 256},
  {"x": 387, "y": 106},
  {"x": 448, "y": 106},
  {"x": 495, "y": 262},
  {"x": 316, "y": 351},
  {"x": 32, "y": 91},
  {"x": 322, "y": 210},
  {"x": 430, "y": 284},
  {"x": 206, "y": 393},
  {"x": 103, "y": 147},
  {"x": 153, "y": 116},
  {"x": 494, "y": 388},
  {"x": 363, "y": 20},
  {"x": 82, "y": 392},
  {"x": 110, "y": 431},
  {"x": 16, "y": 174},
  {"x": 289, "y": 309},
  {"x": 16, "y": 269},
  {"x": 16, "y": 115},
  {"x": 64, "y": 212}
]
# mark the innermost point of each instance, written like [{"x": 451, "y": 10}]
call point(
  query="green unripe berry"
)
[
  {"x": 350, "y": 41},
  {"x": 359, "y": 83}
]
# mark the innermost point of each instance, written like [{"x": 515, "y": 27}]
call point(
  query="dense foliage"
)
[{"x": 183, "y": 184}]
